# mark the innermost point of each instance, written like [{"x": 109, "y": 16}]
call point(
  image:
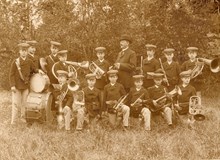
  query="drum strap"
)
[{"x": 17, "y": 62}]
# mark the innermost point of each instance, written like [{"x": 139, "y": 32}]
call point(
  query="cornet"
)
[{"x": 95, "y": 69}]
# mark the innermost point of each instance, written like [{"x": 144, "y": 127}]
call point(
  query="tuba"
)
[
  {"x": 196, "y": 108},
  {"x": 214, "y": 64},
  {"x": 95, "y": 69}
]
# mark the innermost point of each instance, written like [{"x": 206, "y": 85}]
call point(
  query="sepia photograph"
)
[{"x": 110, "y": 79}]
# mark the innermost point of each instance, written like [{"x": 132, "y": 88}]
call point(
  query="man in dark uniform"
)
[
  {"x": 104, "y": 65},
  {"x": 171, "y": 68},
  {"x": 150, "y": 64},
  {"x": 64, "y": 98},
  {"x": 157, "y": 91},
  {"x": 112, "y": 93},
  {"x": 197, "y": 82},
  {"x": 31, "y": 53},
  {"x": 51, "y": 59},
  {"x": 138, "y": 100},
  {"x": 125, "y": 63},
  {"x": 19, "y": 78}
]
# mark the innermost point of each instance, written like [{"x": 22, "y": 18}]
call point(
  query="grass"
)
[{"x": 41, "y": 141}]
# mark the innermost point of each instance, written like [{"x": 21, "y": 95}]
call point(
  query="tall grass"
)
[{"x": 41, "y": 141}]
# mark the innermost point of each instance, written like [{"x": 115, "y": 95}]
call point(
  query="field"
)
[{"x": 41, "y": 141}]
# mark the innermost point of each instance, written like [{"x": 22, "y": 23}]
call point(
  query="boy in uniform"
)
[
  {"x": 190, "y": 64},
  {"x": 112, "y": 93},
  {"x": 31, "y": 53},
  {"x": 138, "y": 100},
  {"x": 20, "y": 73},
  {"x": 64, "y": 100},
  {"x": 171, "y": 68},
  {"x": 150, "y": 64},
  {"x": 157, "y": 91}
]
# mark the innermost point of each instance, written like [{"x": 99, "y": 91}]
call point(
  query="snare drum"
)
[
  {"x": 39, "y": 82},
  {"x": 39, "y": 107}
]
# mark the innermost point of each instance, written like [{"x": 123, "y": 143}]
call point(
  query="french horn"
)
[{"x": 95, "y": 69}]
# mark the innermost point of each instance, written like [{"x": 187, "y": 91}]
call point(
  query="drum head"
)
[
  {"x": 38, "y": 83},
  {"x": 199, "y": 117}
]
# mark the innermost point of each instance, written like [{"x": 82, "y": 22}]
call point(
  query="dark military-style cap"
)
[
  {"x": 55, "y": 43},
  {"x": 150, "y": 46},
  {"x": 62, "y": 52},
  {"x": 168, "y": 51},
  {"x": 126, "y": 38},
  {"x": 186, "y": 73},
  {"x": 138, "y": 76},
  {"x": 23, "y": 45},
  {"x": 100, "y": 49},
  {"x": 91, "y": 76},
  {"x": 112, "y": 72},
  {"x": 192, "y": 49},
  {"x": 62, "y": 73},
  {"x": 31, "y": 43}
]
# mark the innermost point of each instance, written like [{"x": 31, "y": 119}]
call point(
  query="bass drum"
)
[
  {"x": 38, "y": 107},
  {"x": 39, "y": 82}
]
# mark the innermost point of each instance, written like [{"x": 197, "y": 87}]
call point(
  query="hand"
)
[
  {"x": 13, "y": 89},
  {"x": 177, "y": 106},
  {"x": 139, "y": 100},
  {"x": 40, "y": 71},
  {"x": 155, "y": 103},
  {"x": 117, "y": 65},
  {"x": 70, "y": 74}
]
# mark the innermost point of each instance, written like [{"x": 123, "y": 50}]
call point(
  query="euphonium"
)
[
  {"x": 95, "y": 69},
  {"x": 214, "y": 64},
  {"x": 73, "y": 84}
]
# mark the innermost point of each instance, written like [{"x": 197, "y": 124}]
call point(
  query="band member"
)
[
  {"x": 150, "y": 64},
  {"x": 156, "y": 92},
  {"x": 20, "y": 73},
  {"x": 104, "y": 65},
  {"x": 51, "y": 59},
  {"x": 188, "y": 90},
  {"x": 191, "y": 64},
  {"x": 138, "y": 100},
  {"x": 31, "y": 53},
  {"x": 171, "y": 68},
  {"x": 112, "y": 93},
  {"x": 64, "y": 98},
  {"x": 125, "y": 63}
]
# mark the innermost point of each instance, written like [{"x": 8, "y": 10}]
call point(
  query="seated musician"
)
[
  {"x": 64, "y": 100},
  {"x": 156, "y": 92},
  {"x": 188, "y": 90},
  {"x": 138, "y": 99},
  {"x": 112, "y": 93}
]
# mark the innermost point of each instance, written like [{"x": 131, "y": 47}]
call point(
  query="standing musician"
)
[
  {"x": 31, "y": 53},
  {"x": 50, "y": 60},
  {"x": 171, "y": 68},
  {"x": 20, "y": 73},
  {"x": 138, "y": 100},
  {"x": 150, "y": 64},
  {"x": 125, "y": 63},
  {"x": 188, "y": 90},
  {"x": 104, "y": 65},
  {"x": 191, "y": 64},
  {"x": 157, "y": 91},
  {"x": 64, "y": 100},
  {"x": 112, "y": 93}
]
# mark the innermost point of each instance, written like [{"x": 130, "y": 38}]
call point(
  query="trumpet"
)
[
  {"x": 95, "y": 69},
  {"x": 83, "y": 64},
  {"x": 214, "y": 64}
]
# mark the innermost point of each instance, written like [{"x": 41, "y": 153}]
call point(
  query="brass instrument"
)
[
  {"x": 83, "y": 64},
  {"x": 214, "y": 64},
  {"x": 196, "y": 108},
  {"x": 197, "y": 69},
  {"x": 120, "y": 102},
  {"x": 73, "y": 84},
  {"x": 165, "y": 76},
  {"x": 95, "y": 69},
  {"x": 134, "y": 103}
]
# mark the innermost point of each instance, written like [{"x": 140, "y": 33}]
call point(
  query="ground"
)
[{"x": 41, "y": 141}]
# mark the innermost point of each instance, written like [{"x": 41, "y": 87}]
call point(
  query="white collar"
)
[
  {"x": 101, "y": 60},
  {"x": 23, "y": 58},
  {"x": 138, "y": 89},
  {"x": 149, "y": 58},
  {"x": 156, "y": 86},
  {"x": 91, "y": 88},
  {"x": 112, "y": 84},
  {"x": 32, "y": 55},
  {"x": 192, "y": 61},
  {"x": 184, "y": 85},
  {"x": 169, "y": 62},
  {"x": 125, "y": 49}
]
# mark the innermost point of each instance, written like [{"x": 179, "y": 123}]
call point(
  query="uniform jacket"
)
[
  {"x": 187, "y": 92},
  {"x": 35, "y": 60},
  {"x": 134, "y": 95},
  {"x": 100, "y": 83},
  {"x": 113, "y": 92},
  {"x": 27, "y": 68},
  {"x": 60, "y": 66},
  {"x": 50, "y": 62},
  {"x": 127, "y": 60},
  {"x": 150, "y": 65},
  {"x": 172, "y": 72}
]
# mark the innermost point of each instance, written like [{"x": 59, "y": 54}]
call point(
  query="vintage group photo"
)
[{"x": 111, "y": 79}]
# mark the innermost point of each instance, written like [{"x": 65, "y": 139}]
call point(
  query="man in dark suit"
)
[{"x": 125, "y": 63}]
